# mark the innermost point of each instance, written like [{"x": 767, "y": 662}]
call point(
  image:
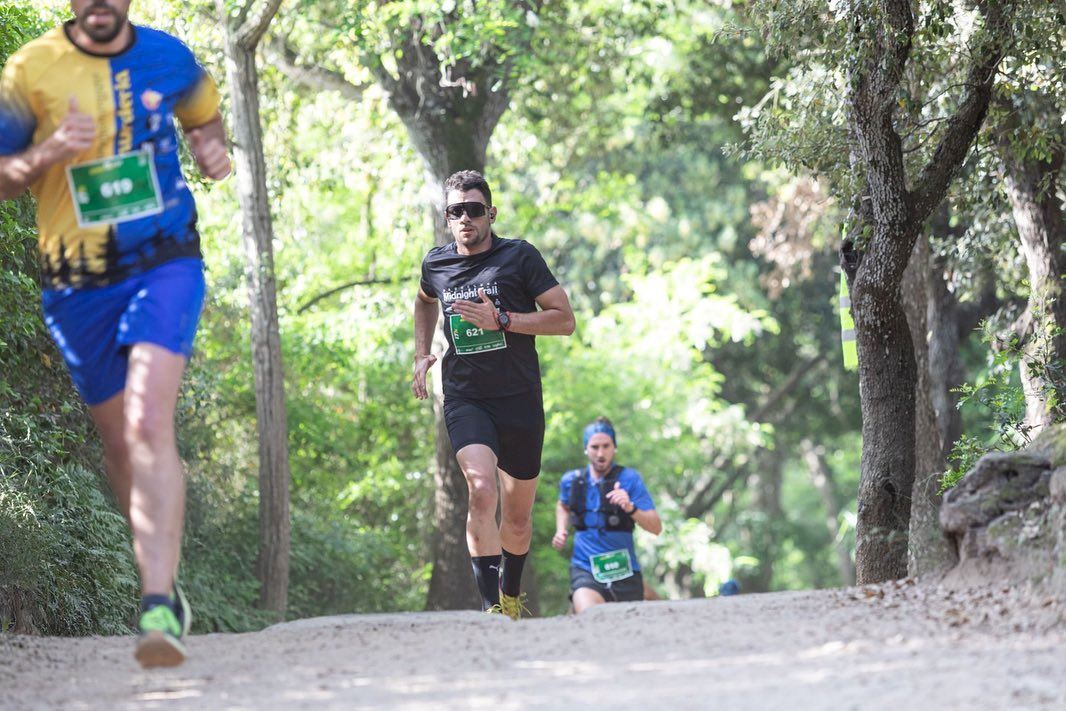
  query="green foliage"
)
[
  {"x": 998, "y": 397},
  {"x": 67, "y": 566}
]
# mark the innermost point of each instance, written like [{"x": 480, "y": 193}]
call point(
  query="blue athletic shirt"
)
[{"x": 594, "y": 540}]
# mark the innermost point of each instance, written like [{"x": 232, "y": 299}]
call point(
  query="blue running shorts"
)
[{"x": 95, "y": 327}]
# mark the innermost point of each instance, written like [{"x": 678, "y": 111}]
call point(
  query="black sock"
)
[
  {"x": 487, "y": 575},
  {"x": 150, "y": 601},
  {"x": 511, "y": 575}
]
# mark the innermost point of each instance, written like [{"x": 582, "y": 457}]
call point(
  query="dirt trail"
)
[{"x": 899, "y": 647}]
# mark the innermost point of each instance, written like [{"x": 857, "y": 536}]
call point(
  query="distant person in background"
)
[
  {"x": 729, "y": 587},
  {"x": 603, "y": 502}
]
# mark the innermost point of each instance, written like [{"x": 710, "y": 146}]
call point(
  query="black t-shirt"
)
[{"x": 513, "y": 275}]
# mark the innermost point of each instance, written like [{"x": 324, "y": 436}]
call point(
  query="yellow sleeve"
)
[{"x": 200, "y": 106}]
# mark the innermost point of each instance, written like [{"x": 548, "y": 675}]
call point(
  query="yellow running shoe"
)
[{"x": 513, "y": 607}]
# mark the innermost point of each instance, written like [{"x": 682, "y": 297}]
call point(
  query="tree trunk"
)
[
  {"x": 825, "y": 484},
  {"x": 887, "y": 379},
  {"x": 1038, "y": 214},
  {"x": 531, "y": 587},
  {"x": 766, "y": 489},
  {"x": 258, "y": 236},
  {"x": 889, "y": 215},
  {"x": 932, "y": 313}
]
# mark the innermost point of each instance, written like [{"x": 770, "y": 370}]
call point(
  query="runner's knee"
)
[
  {"x": 519, "y": 522},
  {"x": 482, "y": 496},
  {"x": 148, "y": 426},
  {"x": 584, "y": 598}
]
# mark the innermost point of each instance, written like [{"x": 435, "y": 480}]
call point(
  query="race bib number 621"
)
[{"x": 469, "y": 338}]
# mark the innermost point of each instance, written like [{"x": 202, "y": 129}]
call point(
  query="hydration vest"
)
[{"x": 614, "y": 518}]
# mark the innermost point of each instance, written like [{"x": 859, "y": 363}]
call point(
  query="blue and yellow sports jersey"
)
[{"x": 134, "y": 97}]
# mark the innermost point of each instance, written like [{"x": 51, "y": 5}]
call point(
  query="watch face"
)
[{"x": 505, "y": 320}]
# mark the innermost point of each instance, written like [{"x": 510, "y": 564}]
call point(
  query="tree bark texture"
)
[
  {"x": 258, "y": 236},
  {"x": 888, "y": 222},
  {"x": 932, "y": 313},
  {"x": 1038, "y": 214},
  {"x": 826, "y": 486}
]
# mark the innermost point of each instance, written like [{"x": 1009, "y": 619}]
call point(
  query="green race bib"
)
[
  {"x": 469, "y": 338},
  {"x": 609, "y": 567},
  {"x": 115, "y": 189}
]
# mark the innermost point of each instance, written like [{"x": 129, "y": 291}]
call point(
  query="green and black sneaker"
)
[{"x": 159, "y": 644}]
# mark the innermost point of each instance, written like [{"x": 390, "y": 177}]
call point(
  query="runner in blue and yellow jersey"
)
[{"x": 87, "y": 124}]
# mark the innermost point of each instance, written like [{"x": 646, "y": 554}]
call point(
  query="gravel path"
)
[{"x": 896, "y": 647}]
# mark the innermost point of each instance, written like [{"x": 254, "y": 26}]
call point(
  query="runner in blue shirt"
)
[{"x": 604, "y": 502}]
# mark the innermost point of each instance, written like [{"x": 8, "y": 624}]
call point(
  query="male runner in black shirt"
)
[{"x": 489, "y": 289}]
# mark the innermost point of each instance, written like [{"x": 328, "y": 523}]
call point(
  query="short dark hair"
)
[{"x": 468, "y": 180}]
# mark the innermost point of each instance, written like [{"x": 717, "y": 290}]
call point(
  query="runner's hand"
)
[
  {"x": 480, "y": 313},
  {"x": 210, "y": 152},
  {"x": 76, "y": 133},
  {"x": 422, "y": 366},
  {"x": 619, "y": 496},
  {"x": 559, "y": 540}
]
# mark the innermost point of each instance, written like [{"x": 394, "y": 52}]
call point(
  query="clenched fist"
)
[
  {"x": 76, "y": 133},
  {"x": 209, "y": 148}
]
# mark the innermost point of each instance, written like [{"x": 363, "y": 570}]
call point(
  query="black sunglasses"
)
[{"x": 472, "y": 209}]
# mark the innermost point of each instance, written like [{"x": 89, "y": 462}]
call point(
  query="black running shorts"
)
[
  {"x": 629, "y": 590},
  {"x": 511, "y": 426}
]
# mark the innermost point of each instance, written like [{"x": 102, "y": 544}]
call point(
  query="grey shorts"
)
[{"x": 629, "y": 590}]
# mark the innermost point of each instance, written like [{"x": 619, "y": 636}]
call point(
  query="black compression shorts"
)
[
  {"x": 629, "y": 590},
  {"x": 511, "y": 426}
]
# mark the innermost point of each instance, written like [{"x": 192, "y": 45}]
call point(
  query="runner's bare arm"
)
[
  {"x": 555, "y": 318},
  {"x": 208, "y": 146},
  {"x": 648, "y": 520},
  {"x": 76, "y": 133},
  {"x": 562, "y": 524},
  {"x": 425, "y": 322}
]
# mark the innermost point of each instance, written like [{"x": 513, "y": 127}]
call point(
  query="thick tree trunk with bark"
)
[
  {"x": 258, "y": 237},
  {"x": 888, "y": 221},
  {"x": 1038, "y": 214}
]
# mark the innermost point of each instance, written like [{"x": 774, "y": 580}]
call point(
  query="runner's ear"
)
[{"x": 492, "y": 214}]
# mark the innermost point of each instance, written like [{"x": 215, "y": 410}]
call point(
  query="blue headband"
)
[{"x": 600, "y": 428}]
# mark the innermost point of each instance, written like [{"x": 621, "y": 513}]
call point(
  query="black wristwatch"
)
[
  {"x": 633, "y": 512},
  {"x": 503, "y": 320}
]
